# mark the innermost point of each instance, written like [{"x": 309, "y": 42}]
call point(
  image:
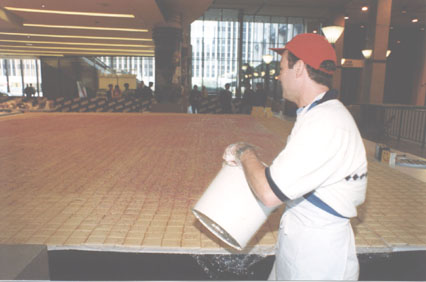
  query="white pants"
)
[{"x": 319, "y": 248}]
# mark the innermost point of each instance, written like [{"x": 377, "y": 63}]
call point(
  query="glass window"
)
[
  {"x": 3, "y": 77},
  {"x": 142, "y": 67},
  {"x": 215, "y": 39}
]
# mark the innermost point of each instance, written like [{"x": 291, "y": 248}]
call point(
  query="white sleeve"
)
[{"x": 310, "y": 158}]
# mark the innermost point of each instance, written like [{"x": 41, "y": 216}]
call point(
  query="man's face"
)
[{"x": 287, "y": 77}]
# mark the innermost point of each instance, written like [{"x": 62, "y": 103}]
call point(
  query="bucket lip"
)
[{"x": 201, "y": 216}]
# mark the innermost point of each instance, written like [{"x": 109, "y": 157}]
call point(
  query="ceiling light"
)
[
  {"x": 70, "y": 13},
  {"x": 73, "y": 48},
  {"x": 388, "y": 52},
  {"x": 86, "y": 27},
  {"x": 267, "y": 58},
  {"x": 364, "y": 8},
  {"x": 332, "y": 33},
  {"x": 75, "y": 43},
  {"x": 76, "y": 36},
  {"x": 346, "y": 17},
  {"x": 367, "y": 53},
  {"x": 415, "y": 20}
]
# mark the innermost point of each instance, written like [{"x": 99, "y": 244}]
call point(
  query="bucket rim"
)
[{"x": 202, "y": 218}]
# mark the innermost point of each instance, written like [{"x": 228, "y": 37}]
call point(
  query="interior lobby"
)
[{"x": 101, "y": 188}]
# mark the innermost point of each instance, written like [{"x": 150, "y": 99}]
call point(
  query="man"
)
[
  {"x": 32, "y": 90},
  {"x": 321, "y": 174},
  {"x": 225, "y": 98},
  {"x": 248, "y": 99},
  {"x": 126, "y": 91},
  {"x": 260, "y": 96},
  {"x": 194, "y": 99},
  {"x": 109, "y": 91},
  {"x": 148, "y": 94},
  {"x": 27, "y": 91}
]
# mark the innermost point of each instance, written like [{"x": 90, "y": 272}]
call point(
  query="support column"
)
[
  {"x": 22, "y": 76},
  {"x": 374, "y": 71},
  {"x": 168, "y": 41},
  {"x": 186, "y": 58},
  {"x": 338, "y": 47},
  {"x": 420, "y": 90},
  {"x": 240, "y": 52},
  {"x": 6, "y": 66},
  {"x": 37, "y": 77}
]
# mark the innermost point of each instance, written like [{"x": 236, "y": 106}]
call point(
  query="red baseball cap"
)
[{"x": 312, "y": 49}]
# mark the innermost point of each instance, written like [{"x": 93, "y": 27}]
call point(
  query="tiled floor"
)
[{"x": 127, "y": 182}]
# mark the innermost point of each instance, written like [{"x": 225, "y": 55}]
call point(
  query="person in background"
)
[
  {"x": 248, "y": 99},
  {"x": 204, "y": 92},
  {"x": 225, "y": 98},
  {"x": 27, "y": 91},
  {"x": 259, "y": 96},
  {"x": 32, "y": 90},
  {"x": 109, "y": 91},
  {"x": 139, "y": 90},
  {"x": 126, "y": 91},
  {"x": 321, "y": 174},
  {"x": 148, "y": 93},
  {"x": 117, "y": 92},
  {"x": 195, "y": 99}
]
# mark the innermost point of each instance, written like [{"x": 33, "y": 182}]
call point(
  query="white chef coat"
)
[{"x": 325, "y": 154}]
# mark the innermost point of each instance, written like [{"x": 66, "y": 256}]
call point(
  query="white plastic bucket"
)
[{"x": 229, "y": 209}]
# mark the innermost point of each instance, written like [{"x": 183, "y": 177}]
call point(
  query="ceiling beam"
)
[{"x": 9, "y": 20}]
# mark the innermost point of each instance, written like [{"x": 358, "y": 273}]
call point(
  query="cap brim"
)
[{"x": 278, "y": 50}]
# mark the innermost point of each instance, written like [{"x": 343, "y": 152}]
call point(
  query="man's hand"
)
[{"x": 233, "y": 152}]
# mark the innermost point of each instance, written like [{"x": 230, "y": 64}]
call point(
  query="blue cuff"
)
[{"x": 277, "y": 191}]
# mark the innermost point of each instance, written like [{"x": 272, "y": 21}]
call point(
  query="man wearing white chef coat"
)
[{"x": 321, "y": 174}]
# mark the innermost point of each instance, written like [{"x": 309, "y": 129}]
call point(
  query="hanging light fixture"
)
[
  {"x": 388, "y": 52},
  {"x": 267, "y": 58},
  {"x": 332, "y": 33},
  {"x": 367, "y": 53}
]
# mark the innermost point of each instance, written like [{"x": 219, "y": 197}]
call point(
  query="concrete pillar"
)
[
  {"x": 186, "y": 65},
  {"x": 374, "y": 72},
  {"x": 420, "y": 90},
  {"x": 168, "y": 43},
  {"x": 338, "y": 46}
]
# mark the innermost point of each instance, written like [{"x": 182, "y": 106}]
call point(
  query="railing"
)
[{"x": 383, "y": 123}]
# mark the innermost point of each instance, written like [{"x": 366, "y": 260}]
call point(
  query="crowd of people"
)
[
  {"x": 249, "y": 100},
  {"x": 142, "y": 91},
  {"x": 29, "y": 91}
]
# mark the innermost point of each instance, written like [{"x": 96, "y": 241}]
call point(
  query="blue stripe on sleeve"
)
[{"x": 277, "y": 191}]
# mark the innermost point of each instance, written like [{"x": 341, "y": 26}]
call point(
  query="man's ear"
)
[{"x": 299, "y": 67}]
